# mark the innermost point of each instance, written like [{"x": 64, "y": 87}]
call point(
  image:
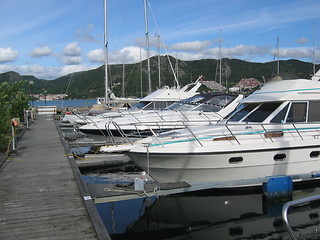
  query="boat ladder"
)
[
  {"x": 118, "y": 128},
  {"x": 293, "y": 203}
]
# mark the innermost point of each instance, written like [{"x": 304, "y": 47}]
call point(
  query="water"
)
[
  {"x": 208, "y": 214},
  {"x": 66, "y": 103}
]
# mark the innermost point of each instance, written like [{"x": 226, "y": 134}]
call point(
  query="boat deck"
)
[{"x": 40, "y": 195}]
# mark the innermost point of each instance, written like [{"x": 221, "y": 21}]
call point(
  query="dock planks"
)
[{"x": 39, "y": 195}]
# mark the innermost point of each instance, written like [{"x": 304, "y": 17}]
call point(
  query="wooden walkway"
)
[{"x": 39, "y": 195}]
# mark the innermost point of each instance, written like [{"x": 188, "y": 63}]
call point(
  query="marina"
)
[
  {"x": 108, "y": 132},
  {"x": 71, "y": 190}
]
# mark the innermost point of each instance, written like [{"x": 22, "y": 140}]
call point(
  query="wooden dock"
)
[{"x": 40, "y": 196}]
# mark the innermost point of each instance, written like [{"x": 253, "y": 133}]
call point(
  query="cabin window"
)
[
  {"x": 260, "y": 114},
  {"x": 243, "y": 111},
  {"x": 208, "y": 108},
  {"x": 314, "y": 154},
  {"x": 194, "y": 99},
  {"x": 298, "y": 112},
  {"x": 279, "y": 157},
  {"x": 235, "y": 160},
  {"x": 314, "y": 111},
  {"x": 279, "y": 118},
  {"x": 222, "y": 100}
]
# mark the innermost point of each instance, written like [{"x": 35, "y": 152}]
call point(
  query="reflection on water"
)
[{"x": 209, "y": 215}]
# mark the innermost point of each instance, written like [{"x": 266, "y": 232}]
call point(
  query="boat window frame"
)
[
  {"x": 308, "y": 113},
  {"x": 282, "y": 106},
  {"x": 241, "y": 108},
  {"x": 278, "y": 103},
  {"x": 289, "y": 109}
]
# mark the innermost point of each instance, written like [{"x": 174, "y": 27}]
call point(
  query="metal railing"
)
[{"x": 293, "y": 203}]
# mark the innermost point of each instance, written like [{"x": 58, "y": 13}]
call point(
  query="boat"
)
[
  {"x": 274, "y": 132},
  {"x": 201, "y": 109},
  {"x": 157, "y": 100}
]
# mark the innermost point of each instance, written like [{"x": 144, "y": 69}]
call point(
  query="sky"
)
[{"x": 49, "y": 39}]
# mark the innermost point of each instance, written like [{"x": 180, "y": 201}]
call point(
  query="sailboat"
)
[{"x": 157, "y": 100}]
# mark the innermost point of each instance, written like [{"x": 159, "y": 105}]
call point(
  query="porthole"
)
[
  {"x": 315, "y": 154},
  {"x": 279, "y": 157},
  {"x": 235, "y": 160}
]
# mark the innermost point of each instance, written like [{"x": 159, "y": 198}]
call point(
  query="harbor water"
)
[
  {"x": 65, "y": 103},
  {"x": 207, "y": 214}
]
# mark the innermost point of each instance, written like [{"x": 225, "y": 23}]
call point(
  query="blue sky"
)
[{"x": 49, "y": 39}]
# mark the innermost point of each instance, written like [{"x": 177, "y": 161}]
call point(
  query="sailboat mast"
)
[
  {"x": 147, "y": 43},
  {"x": 106, "y": 55},
  {"x": 313, "y": 50},
  {"x": 141, "y": 90},
  {"x": 278, "y": 53},
  {"x": 159, "y": 70},
  {"x": 220, "y": 58}
]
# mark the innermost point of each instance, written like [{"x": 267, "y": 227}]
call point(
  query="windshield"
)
[
  {"x": 242, "y": 111},
  {"x": 138, "y": 106},
  {"x": 254, "y": 112},
  {"x": 222, "y": 100},
  {"x": 202, "y": 103}
]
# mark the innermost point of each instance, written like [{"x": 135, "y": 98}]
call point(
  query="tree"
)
[{"x": 13, "y": 101}]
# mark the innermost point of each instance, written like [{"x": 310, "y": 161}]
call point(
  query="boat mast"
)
[
  {"x": 141, "y": 90},
  {"x": 106, "y": 55},
  {"x": 220, "y": 58},
  {"x": 159, "y": 72},
  {"x": 123, "y": 79},
  {"x": 313, "y": 50},
  {"x": 278, "y": 53},
  {"x": 147, "y": 43}
]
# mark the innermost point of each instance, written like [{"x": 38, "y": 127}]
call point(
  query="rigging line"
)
[
  {"x": 124, "y": 27},
  {"x": 164, "y": 46}
]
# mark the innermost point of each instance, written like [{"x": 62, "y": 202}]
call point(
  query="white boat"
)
[
  {"x": 275, "y": 131},
  {"x": 201, "y": 109}
]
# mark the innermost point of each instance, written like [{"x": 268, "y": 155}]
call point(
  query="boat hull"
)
[{"x": 231, "y": 169}]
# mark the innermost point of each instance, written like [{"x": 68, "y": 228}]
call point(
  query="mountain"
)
[{"x": 90, "y": 84}]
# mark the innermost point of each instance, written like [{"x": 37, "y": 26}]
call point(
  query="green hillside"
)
[{"x": 90, "y": 84}]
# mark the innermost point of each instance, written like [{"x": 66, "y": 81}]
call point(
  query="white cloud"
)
[
  {"x": 296, "y": 53},
  {"x": 96, "y": 56},
  {"x": 45, "y": 72},
  {"x": 73, "y": 68},
  {"x": 191, "y": 46},
  {"x": 302, "y": 40},
  {"x": 72, "y": 60},
  {"x": 126, "y": 55},
  {"x": 8, "y": 55},
  {"x": 129, "y": 55},
  {"x": 72, "y": 49},
  {"x": 41, "y": 51}
]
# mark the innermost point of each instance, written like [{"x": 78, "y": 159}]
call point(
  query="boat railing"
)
[
  {"x": 118, "y": 128},
  {"x": 291, "y": 204},
  {"x": 240, "y": 133},
  {"x": 234, "y": 133}
]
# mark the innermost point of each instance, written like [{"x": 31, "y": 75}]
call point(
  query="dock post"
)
[{"x": 13, "y": 143}]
